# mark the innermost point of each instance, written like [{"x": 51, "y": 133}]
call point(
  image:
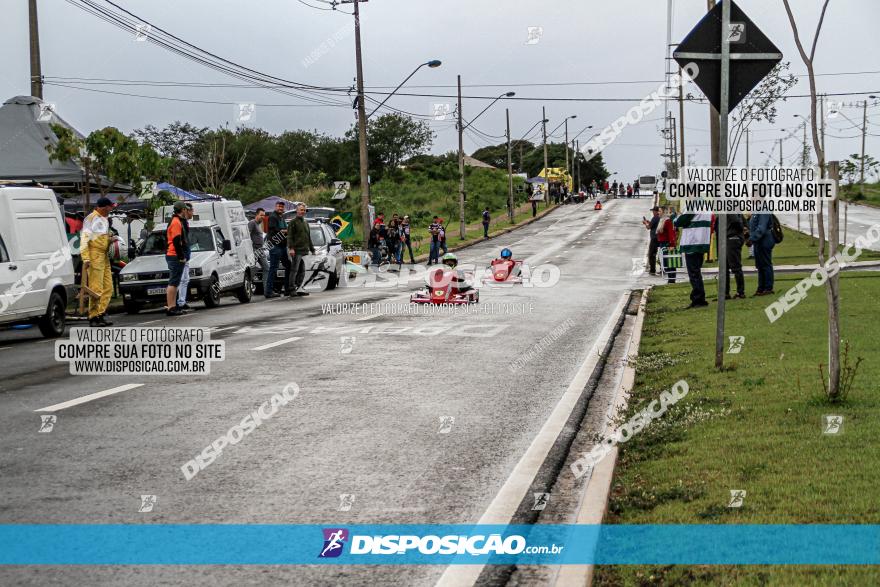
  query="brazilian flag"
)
[{"x": 342, "y": 224}]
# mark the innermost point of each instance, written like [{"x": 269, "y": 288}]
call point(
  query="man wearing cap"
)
[
  {"x": 299, "y": 244},
  {"x": 651, "y": 225},
  {"x": 175, "y": 256},
  {"x": 94, "y": 247}
]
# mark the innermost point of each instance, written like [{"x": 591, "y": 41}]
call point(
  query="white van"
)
[
  {"x": 36, "y": 271},
  {"x": 221, "y": 262}
]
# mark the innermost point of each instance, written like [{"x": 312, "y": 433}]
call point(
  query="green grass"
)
[
  {"x": 870, "y": 196},
  {"x": 797, "y": 248},
  {"x": 755, "y": 426}
]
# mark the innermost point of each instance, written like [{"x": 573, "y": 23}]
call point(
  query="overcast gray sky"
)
[{"x": 584, "y": 42}]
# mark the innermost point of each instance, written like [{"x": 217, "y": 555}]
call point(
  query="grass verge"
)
[{"x": 755, "y": 426}]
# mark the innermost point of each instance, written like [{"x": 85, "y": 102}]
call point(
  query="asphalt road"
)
[
  {"x": 858, "y": 220},
  {"x": 373, "y": 422}
]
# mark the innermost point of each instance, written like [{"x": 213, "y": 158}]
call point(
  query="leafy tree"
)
[
  {"x": 176, "y": 143},
  {"x": 215, "y": 165},
  {"x": 760, "y": 104},
  {"x": 851, "y": 169},
  {"x": 392, "y": 138}
]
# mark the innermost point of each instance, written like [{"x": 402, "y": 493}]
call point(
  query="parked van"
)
[
  {"x": 221, "y": 262},
  {"x": 36, "y": 271}
]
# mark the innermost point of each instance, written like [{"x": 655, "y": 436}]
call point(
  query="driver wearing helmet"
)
[
  {"x": 504, "y": 263},
  {"x": 459, "y": 280}
]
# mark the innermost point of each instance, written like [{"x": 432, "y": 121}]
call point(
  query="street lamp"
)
[
  {"x": 433, "y": 64},
  {"x": 461, "y": 127}
]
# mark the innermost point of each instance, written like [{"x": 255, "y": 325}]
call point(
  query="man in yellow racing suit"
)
[{"x": 94, "y": 246}]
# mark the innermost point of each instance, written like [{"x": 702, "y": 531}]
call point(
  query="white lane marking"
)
[
  {"x": 517, "y": 485},
  {"x": 276, "y": 343},
  {"x": 221, "y": 328},
  {"x": 3, "y": 348},
  {"x": 90, "y": 397},
  {"x": 46, "y": 340},
  {"x": 370, "y": 317},
  {"x": 150, "y": 322}
]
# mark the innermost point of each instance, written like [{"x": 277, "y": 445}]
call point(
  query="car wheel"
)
[
  {"x": 212, "y": 296},
  {"x": 247, "y": 289},
  {"x": 52, "y": 322},
  {"x": 131, "y": 306}
]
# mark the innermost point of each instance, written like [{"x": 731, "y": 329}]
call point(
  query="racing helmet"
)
[
  {"x": 450, "y": 260},
  {"x": 506, "y": 253}
]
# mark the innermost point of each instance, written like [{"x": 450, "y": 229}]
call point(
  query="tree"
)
[
  {"x": 392, "y": 138},
  {"x": 760, "y": 104},
  {"x": 215, "y": 167},
  {"x": 832, "y": 285},
  {"x": 176, "y": 143},
  {"x": 850, "y": 170},
  {"x": 113, "y": 158}
]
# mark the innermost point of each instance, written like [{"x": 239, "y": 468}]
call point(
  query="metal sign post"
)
[{"x": 725, "y": 78}]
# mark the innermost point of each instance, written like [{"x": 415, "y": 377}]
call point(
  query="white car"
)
[
  {"x": 324, "y": 270},
  {"x": 36, "y": 271}
]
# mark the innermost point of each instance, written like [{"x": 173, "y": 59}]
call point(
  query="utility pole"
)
[
  {"x": 577, "y": 166},
  {"x": 681, "y": 116},
  {"x": 864, "y": 133},
  {"x": 546, "y": 171},
  {"x": 362, "y": 121},
  {"x": 36, "y": 71},
  {"x": 781, "y": 164},
  {"x": 568, "y": 169},
  {"x": 747, "y": 147},
  {"x": 461, "y": 195},
  {"x": 509, "y": 169}
]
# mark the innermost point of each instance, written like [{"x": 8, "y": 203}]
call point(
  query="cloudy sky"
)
[{"x": 589, "y": 49}]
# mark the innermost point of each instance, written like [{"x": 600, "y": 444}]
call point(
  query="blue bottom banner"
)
[{"x": 266, "y": 544}]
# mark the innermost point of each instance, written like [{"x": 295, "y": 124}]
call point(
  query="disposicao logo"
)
[{"x": 334, "y": 541}]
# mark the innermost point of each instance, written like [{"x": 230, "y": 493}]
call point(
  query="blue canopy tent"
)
[{"x": 183, "y": 194}]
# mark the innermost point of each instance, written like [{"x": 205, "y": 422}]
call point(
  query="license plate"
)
[{"x": 156, "y": 291}]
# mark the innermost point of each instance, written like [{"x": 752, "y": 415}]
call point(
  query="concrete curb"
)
[
  {"x": 595, "y": 502},
  {"x": 424, "y": 257}
]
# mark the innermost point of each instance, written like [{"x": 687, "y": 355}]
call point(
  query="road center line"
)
[
  {"x": 276, "y": 343},
  {"x": 90, "y": 397}
]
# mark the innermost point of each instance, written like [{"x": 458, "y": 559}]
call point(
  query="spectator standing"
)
[
  {"x": 406, "y": 239},
  {"x": 434, "y": 229},
  {"x": 175, "y": 256},
  {"x": 442, "y": 236},
  {"x": 696, "y": 231},
  {"x": 258, "y": 240},
  {"x": 299, "y": 244},
  {"x": 651, "y": 225},
  {"x": 735, "y": 240},
  {"x": 373, "y": 244},
  {"x": 614, "y": 188},
  {"x": 94, "y": 248},
  {"x": 184, "y": 278},
  {"x": 534, "y": 208},
  {"x": 636, "y": 188},
  {"x": 276, "y": 237},
  {"x": 666, "y": 241},
  {"x": 486, "y": 219},
  {"x": 629, "y": 190},
  {"x": 393, "y": 239},
  {"x": 761, "y": 236}
]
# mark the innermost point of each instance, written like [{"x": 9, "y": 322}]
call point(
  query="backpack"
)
[{"x": 776, "y": 229}]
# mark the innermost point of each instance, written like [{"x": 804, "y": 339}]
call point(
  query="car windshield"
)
[
  {"x": 200, "y": 239},
  {"x": 646, "y": 179},
  {"x": 318, "y": 239}
]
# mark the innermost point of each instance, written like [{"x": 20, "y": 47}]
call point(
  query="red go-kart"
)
[
  {"x": 505, "y": 271},
  {"x": 442, "y": 289}
]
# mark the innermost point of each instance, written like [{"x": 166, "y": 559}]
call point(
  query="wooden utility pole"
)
[
  {"x": 864, "y": 133},
  {"x": 461, "y": 195},
  {"x": 546, "y": 171},
  {"x": 36, "y": 70},
  {"x": 509, "y": 170},
  {"x": 362, "y": 122}
]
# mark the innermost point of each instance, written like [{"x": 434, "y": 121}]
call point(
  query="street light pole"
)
[
  {"x": 36, "y": 72},
  {"x": 461, "y": 196},
  {"x": 433, "y": 64},
  {"x": 567, "y": 168},
  {"x": 509, "y": 170}
]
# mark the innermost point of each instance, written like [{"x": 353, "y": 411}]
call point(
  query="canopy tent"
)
[
  {"x": 182, "y": 194},
  {"x": 268, "y": 204},
  {"x": 556, "y": 175},
  {"x": 25, "y": 127}
]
